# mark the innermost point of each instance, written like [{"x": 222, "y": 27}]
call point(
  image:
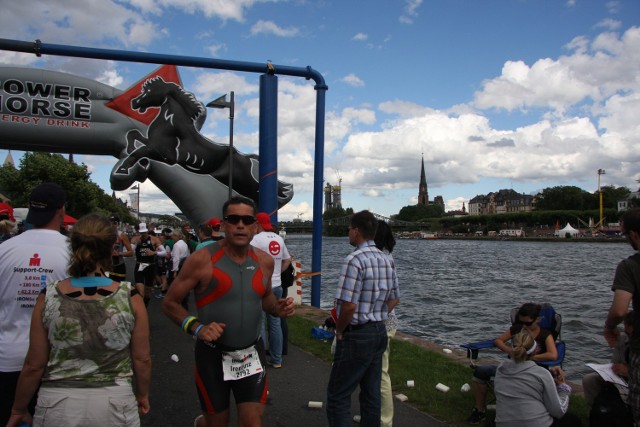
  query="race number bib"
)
[{"x": 240, "y": 364}]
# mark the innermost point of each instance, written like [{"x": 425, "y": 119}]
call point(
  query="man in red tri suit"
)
[{"x": 231, "y": 281}]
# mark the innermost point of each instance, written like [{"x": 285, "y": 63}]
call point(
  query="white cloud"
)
[
  {"x": 609, "y": 24},
  {"x": 404, "y": 108},
  {"x": 352, "y": 80},
  {"x": 211, "y": 85},
  {"x": 360, "y": 37},
  {"x": 67, "y": 23},
  {"x": 215, "y": 49},
  {"x": 302, "y": 211},
  {"x": 608, "y": 66},
  {"x": 410, "y": 11},
  {"x": 270, "y": 27},
  {"x": 221, "y": 9},
  {"x": 455, "y": 204},
  {"x": 613, "y": 6},
  {"x": 360, "y": 115}
]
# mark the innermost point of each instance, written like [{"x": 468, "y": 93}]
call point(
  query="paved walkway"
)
[{"x": 303, "y": 378}]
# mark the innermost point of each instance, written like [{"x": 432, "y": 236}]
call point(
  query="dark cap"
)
[{"x": 45, "y": 200}]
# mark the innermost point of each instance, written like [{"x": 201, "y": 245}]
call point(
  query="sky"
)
[{"x": 493, "y": 94}]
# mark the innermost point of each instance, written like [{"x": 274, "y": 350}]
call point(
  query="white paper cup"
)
[
  {"x": 411, "y": 384},
  {"x": 313, "y": 404},
  {"x": 175, "y": 357},
  {"x": 441, "y": 387},
  {"x": 401, "y": 397}
]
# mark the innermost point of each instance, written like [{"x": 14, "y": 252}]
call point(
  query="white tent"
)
[{"x": 568, "y": 229}]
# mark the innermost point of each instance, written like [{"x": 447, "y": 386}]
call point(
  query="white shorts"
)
[{"x": 86, "y": 407}]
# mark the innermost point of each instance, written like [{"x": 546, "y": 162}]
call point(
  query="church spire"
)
[
  {"x": 8, "y": 161},
  {"x": 423, "y": 193}
]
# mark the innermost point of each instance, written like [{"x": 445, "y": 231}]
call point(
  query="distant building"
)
[
  {"x": 333, "y": 196},
  {"x": 8, "y": 161},
  {"x": 423, "y": 192},
  {"x": 457, "y": 213},
  {"x": 504, "y": 201},
  {"x": 625, "y": 204}
]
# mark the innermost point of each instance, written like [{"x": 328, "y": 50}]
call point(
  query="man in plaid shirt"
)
[{"x": 367, "y": 291}]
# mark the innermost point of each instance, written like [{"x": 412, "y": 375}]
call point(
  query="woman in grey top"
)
[{"x": 528, "y": 395}]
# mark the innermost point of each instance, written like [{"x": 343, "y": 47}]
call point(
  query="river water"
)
[{"x": 459, "y": 291}]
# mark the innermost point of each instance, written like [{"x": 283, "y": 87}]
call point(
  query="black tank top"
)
[{"x": 141, "y": 249}]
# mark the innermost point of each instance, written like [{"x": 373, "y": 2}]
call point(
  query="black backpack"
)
[
  {"x": 609, "y": 410},
  {"x": 288, "y": 276}
]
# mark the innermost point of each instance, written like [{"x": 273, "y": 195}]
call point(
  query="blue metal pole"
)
[
  {"x": 38, "y": 48},
  {"x": 318, "y": 180},
  {"x": 268, "y": 150}
]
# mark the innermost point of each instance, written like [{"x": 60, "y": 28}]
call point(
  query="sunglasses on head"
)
[
  {"x": 235, "y": 219},
  {"x": 529, "y": 323}
]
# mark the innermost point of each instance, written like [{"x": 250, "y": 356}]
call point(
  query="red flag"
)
[{"x": 122, "y": 103}]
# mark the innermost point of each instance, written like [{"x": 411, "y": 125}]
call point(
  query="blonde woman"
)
[
  {"x": 529, "y": 395},
  {"x": 89, "y": 343}
]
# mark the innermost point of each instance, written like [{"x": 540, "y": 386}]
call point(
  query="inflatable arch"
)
[
  {"x": 152, "y": 128},
  {"x": 44, "y": 110}
]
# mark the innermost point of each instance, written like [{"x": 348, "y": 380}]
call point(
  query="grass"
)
[{"x": 426, "y": 368}]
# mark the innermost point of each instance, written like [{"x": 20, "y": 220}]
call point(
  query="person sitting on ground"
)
[
  {"x": 89, "y": 341},
  {"x": 593, "y": 383},
  {"x": 526, "y": 319},
  {"x": 529, "y": 395}
]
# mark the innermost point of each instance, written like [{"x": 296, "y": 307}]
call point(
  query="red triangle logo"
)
[{"x": 122, "y": 103}]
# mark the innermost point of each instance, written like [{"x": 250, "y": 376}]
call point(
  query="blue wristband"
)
[{"x": 195, "y": 333}]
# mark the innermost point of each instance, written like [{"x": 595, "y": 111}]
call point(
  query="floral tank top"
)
[{"x": 88, "y": 339}]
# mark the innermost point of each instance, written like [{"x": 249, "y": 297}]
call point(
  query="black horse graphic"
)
[{"x": 173, "y": 138}]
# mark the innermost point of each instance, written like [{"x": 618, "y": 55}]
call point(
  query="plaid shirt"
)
[{"x": 368, "y": 280}]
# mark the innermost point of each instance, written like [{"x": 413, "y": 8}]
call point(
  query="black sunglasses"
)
[
  {"x": 529, "y": 323},
  {"x": 235, "y": 219}
]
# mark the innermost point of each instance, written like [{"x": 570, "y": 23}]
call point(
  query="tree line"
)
[{"x": 83, "y": 195}]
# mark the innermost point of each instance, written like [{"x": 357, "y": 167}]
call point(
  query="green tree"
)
[
  {"x": 336, "y": 228},
  {"x": 83, "y": 195},
  {"x": 564, "y": 198},
  {"x": 610, "y": 196},
  {"x": 417, "y": 213}
]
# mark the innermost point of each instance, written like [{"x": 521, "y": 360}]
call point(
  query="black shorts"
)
[
  {"x": 214, "y": 392},
  {"x": 147, "y": 276}
]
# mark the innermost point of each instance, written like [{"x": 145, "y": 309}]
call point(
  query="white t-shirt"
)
[
  {"x": 180, "y": 250},
  {"x": 272, "y": 244},
  {"x": 28, "y": 262}
]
